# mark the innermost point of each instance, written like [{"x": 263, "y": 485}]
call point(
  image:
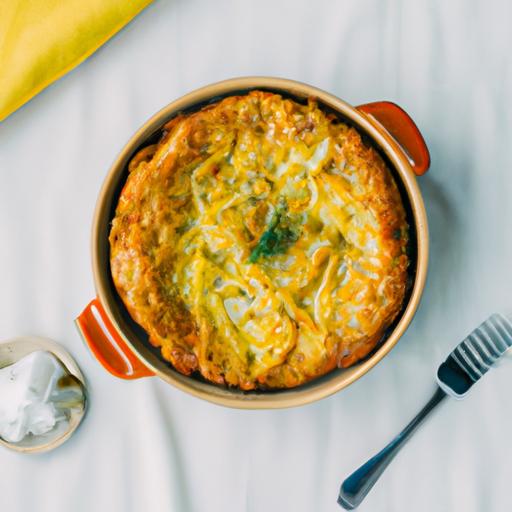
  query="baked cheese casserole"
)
[{"x": 261, "y": 242}]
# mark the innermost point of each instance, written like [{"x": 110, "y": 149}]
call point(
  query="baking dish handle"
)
[
  {"x": 403, "y": 129},
  {"x": 107, "y": 345}
]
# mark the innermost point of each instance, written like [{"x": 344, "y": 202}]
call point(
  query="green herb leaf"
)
[{"x": 277, "y": 238}]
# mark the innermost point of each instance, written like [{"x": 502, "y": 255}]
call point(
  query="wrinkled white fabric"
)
[{"x": 147, "y": 446}]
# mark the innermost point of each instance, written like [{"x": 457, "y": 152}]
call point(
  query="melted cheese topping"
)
[{"x": 260, "y": 242}]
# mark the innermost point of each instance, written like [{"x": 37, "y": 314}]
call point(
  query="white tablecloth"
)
[{"x": 147, "y": 446}]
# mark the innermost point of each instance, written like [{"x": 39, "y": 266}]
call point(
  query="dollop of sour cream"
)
[{"x": 34, "y": 396}]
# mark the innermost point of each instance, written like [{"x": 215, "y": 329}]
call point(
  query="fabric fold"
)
[{"x": 41, "y": 40}]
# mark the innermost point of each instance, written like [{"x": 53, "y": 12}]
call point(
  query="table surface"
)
[{"x": 147, "y": 446}]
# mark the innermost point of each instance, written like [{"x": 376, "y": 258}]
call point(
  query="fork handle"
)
[{"x": 355, "y": 488}]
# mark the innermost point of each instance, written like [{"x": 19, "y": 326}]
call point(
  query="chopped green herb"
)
[
  {"x": 277, "y": 238},
  {"x": 184, "y": 227},
  {"x": 250, "y": 357}
]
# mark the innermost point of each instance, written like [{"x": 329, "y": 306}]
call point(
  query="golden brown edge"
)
[{"x": 337, "y": 380}]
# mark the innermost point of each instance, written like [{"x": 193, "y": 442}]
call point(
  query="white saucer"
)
[{"x": 12, "y": 351}]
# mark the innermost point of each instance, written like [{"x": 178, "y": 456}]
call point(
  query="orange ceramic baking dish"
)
[{"x": 122, "y": 346}]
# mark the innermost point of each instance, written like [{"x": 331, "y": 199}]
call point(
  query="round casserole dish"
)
[{"x": 122, "y": 346}]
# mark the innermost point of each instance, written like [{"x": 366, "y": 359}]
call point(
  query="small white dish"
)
[{"x": 12, "y": 351}]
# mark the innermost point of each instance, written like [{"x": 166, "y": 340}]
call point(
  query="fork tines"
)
[{"x": 475, "y": 355}]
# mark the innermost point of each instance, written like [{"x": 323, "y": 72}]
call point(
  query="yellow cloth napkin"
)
[{"x": 41, "y": 40}]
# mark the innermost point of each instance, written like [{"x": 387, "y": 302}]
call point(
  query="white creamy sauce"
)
[{"x": 31, "y": 401}]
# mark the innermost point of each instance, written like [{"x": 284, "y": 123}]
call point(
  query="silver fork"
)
[{"x": 470, "y": 360}]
